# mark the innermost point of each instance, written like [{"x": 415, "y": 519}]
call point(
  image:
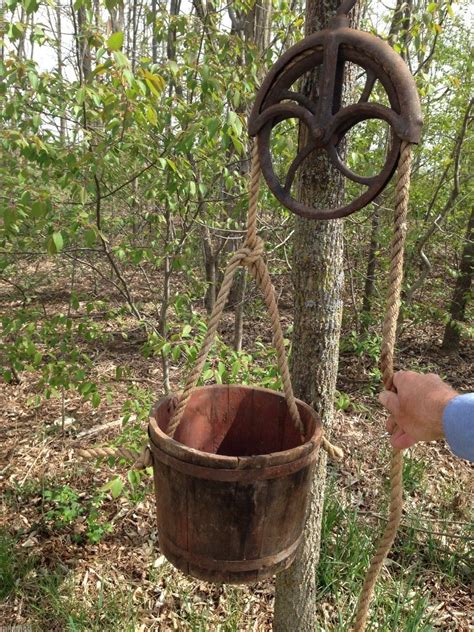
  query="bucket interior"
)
[{"x": 237, "y": 421}]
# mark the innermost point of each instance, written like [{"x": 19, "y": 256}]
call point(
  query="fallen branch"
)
[{"x": 100, "y": 428}]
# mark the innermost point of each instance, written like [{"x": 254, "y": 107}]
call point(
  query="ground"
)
[{"x": 74, "y": 556}]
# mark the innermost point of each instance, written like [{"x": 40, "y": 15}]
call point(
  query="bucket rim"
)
[{"x": 159, "y": 439}]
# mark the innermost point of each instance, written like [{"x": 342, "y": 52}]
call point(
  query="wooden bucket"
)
[{"x": 232, "y": 486}]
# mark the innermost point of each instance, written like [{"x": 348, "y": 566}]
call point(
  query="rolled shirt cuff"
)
[{"x": 458, "y": 424}]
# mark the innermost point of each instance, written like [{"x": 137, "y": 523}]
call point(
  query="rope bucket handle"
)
[{"x": 250, "y": 255}]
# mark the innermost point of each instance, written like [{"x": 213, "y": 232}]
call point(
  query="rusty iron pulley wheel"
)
[{"x": 326, "y": 119}]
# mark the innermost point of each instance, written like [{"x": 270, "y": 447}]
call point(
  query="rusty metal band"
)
[
  {"x": 231, "y": 475},
  {"x": 228, "y": 565}
]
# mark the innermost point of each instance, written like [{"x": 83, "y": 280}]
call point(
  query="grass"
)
[
  {"x": 50, "y": 586},
  {"x": 416, "y": 565},
  {"x": 404, "y": 600},
  {"x": 51, "y": 601}
]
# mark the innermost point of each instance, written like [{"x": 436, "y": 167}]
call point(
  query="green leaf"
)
[
  {"x": 30, "y": 5},
  {"x": 55, "y": 243},
  {"x": 172, "y": 165},
  {"x": 115, "y": 41},
  {"x": 173, "y": 66},
  {"x": 207, "y": 375},
  {"x": 235, "y": 368},
  {"x": 133, "y": 477},
  {"x": 151, "y": 115},
  {"x": 38, "y": 209},
  {"x": 115, "y": 487},
  {"x": 81, "y": 95},
  {"x": 213, "y": 126},
  {"x": 120, "y": 59},
  {"x": 90, "y": 237},
  {"x": 95, "y": 399},
  {"x": 235, "y": 122},
  {"x": 155, "y": 83},
  {"x": 74, "y": 301},
  {"x": 34, "y": 80}
]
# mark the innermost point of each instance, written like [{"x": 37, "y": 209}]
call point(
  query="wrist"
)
[{"x": 439, "y": 403}]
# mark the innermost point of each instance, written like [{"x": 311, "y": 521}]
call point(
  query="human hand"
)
[{"x": 416, "y": 409}]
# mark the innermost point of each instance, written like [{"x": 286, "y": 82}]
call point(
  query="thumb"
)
[{"x": 390, "y": 401}]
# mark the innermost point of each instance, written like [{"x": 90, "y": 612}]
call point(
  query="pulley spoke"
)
[{"x": 369, "y": 86}]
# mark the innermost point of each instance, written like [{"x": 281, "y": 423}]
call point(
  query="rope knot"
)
[
  {"x": 251, "y": 252},
  {"x": 145, "y": 459}
]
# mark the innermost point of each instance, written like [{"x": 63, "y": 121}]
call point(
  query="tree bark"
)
[
  {"x": 117, "y": 18},
  {"x": 318, "y": 280},
  {"x": 85, "y": 59},
  {"x": 369, "y": 285},
  {"x": 211, "y": 268},
  {"x": 457, "y": 311},
  {"x": 59, "y": 54},
  {"x": 154, "y": 41},
  {"x": 2, "y": 31}
]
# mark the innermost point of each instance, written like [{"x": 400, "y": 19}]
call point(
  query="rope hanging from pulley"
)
[{"x": 327, "y": 121}]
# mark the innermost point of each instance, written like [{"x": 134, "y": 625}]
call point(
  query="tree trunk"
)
[
  {"x": 154, "y": 40},
  {"x": 239, "y": 311},
  {"x": 457, "y": 311},
  {"x": 318, "y": 279},
  {"x": 85, "y": 60},
  {"x": 371, "y": 265},
  {"x": 59, "y": 53},
  {"x": 399, "y": 31},
  {"x": 257, "y": 28},
  {"x": 2, "y": 31},
  {"x": 117, "y": 17},
  {"x": 211, "y": 268}
]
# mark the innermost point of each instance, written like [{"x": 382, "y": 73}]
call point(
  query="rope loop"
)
[{"x": 249, "y": 255}]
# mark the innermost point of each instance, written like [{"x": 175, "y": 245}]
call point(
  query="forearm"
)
[{"x": 458, "y": 425}]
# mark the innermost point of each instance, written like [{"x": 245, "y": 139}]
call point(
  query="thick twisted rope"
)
[
  {"x": 141, "y": 460},
  {"x": 250, "y": 256},
  {"x": 388, "y": 345}
]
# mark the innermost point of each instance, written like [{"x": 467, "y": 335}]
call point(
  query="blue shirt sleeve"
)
[{"x": 458, "y": 423}]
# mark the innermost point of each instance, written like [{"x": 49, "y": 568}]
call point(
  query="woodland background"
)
[{"x": 123, "y": 171}]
